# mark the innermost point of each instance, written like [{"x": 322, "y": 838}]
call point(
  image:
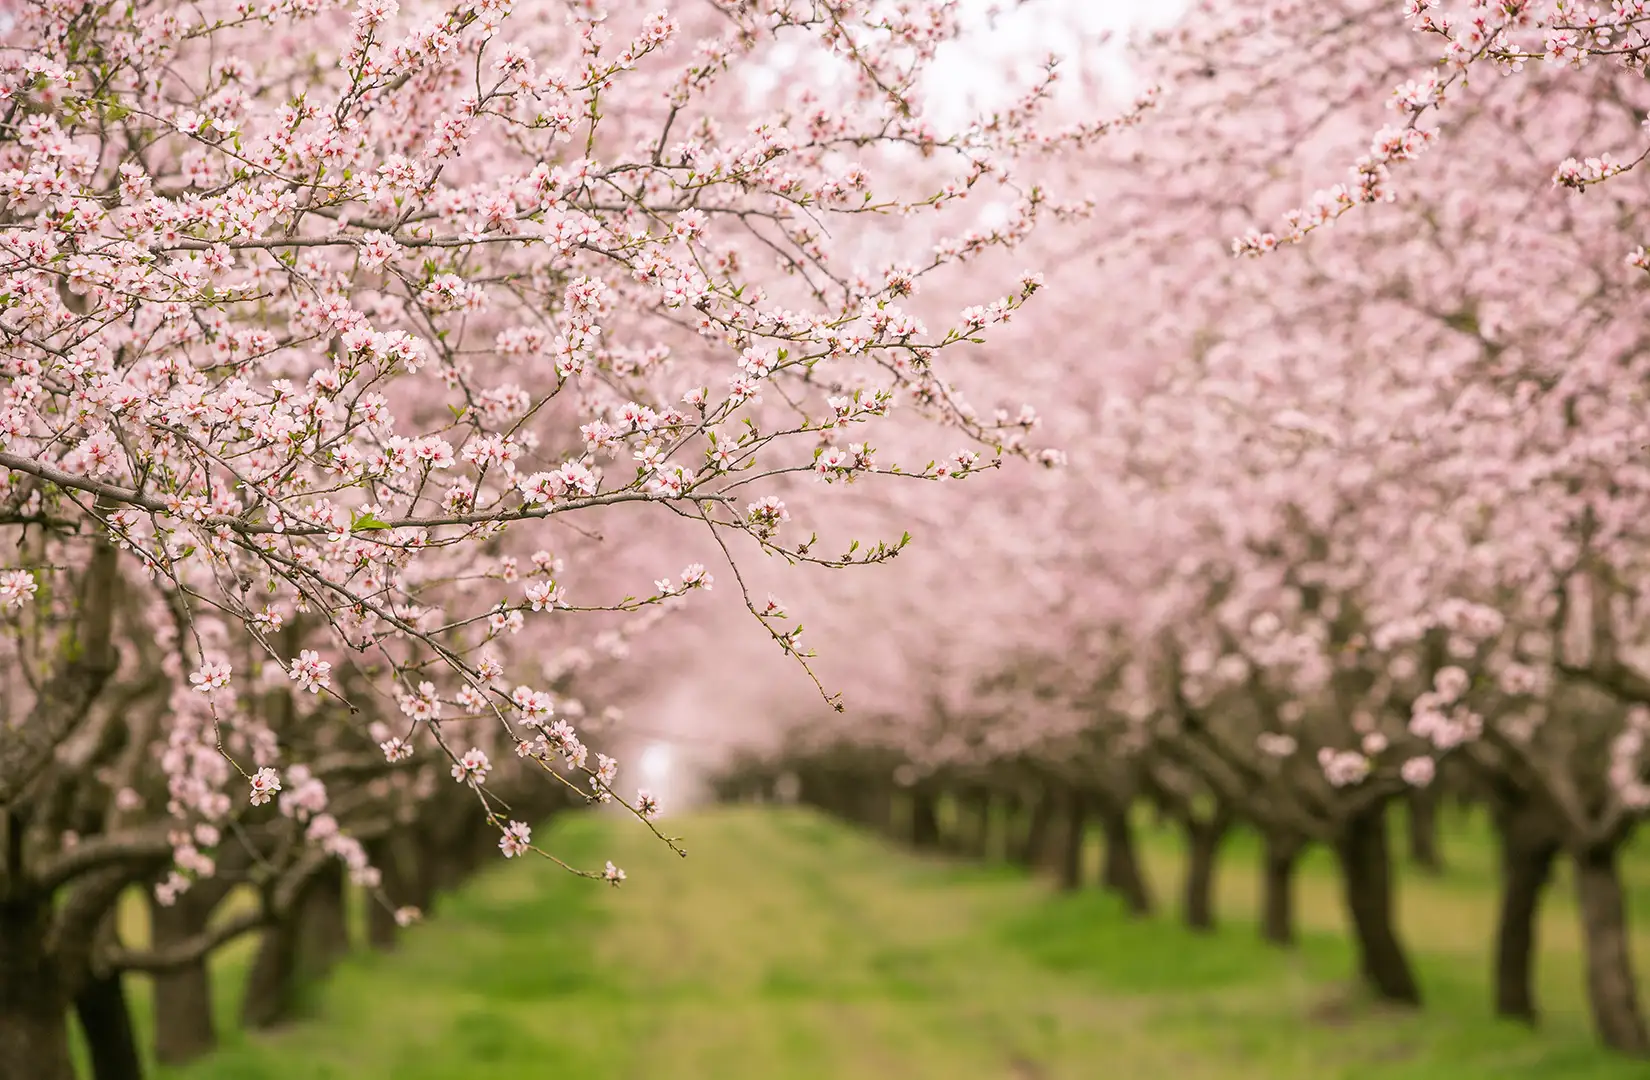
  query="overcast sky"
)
[{"x": 1024, "y": 35}]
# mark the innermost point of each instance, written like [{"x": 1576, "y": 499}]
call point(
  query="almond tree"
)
[{"x": 315, "y": 316}]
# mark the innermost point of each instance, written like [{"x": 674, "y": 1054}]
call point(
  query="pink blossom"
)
[
  {"x": 17, "y": 587},
  {"x": 516, "y": 838},
  {"x": 472, "y": 768},
  {"x": 211, "y": 676},
  {"x": 265, "y": 784}
]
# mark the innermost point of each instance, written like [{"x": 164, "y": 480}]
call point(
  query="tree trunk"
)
[
  {"x": 1280, "y": 853},
  {"x": 298, "y": 950},
  {"x": 836, "y": 798},
  {"x": 925, "y": 822},
  {"x": 1421, "y": 813},
  {"x": 872, "y": 807},
  {"x": 269, "y": 985},
  {"x": 1203, "y": 839},
  {"x": 395, "y": 857},
  {"x": 1610, "y": 985},
  {"x": 477, "y": 845},
  {"x": 424, "y": 872},
  {"x": 34, "y": 1021},
  {"x": 1004, "y": 833},
  {"x": 1068, "y": 863},
  {"x": 1366, "y": 878},
  {"x": 882, "y": 819},
  {"x": 183, "y": 996},
  {"x": 950, "y": 814},
  {"x": 1526, "y": 866},
  {"x": 976, "y": 823},
  {"x": 445, "y": 850},
  {"x": 383, "y": 932},
  {"x": 1120, "y": 872},
  {"x": 1034, "y": 841},
  {"x": 323, "y": 923},
  {"x": 106, "y": 1021}
]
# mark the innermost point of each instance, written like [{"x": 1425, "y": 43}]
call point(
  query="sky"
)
[{"x": 1039, "y": 27}]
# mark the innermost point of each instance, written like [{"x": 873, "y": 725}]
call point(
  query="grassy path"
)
[{"x": 789, "y": 948}]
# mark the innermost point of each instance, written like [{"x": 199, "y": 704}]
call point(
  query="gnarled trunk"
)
[
  {"x": 1611, "y": 991},
  {"x": 1203, "y": 838},
  {"x": 883, "y": 817},
  {"x": 448, "y": 836},
  {"x": 106, "y": 1021},
  {"x": 184, "y": 1029},
  {"x": 925, "y": 821},
  {"x": 388, "y": 854},
  {"x": 837, "y": 796},
  {"x": 423, "y": 872},
  {"x": 1035, "y": 839},
  {"x": 1528, "y": 848},
  {"x": 1006, "y": 828},
  {"x": 1366, "y": 878},
  {"x": 1280, "y": 853},
  {"x": 1421, "y": 815},
  {"x": 874, "y": 807},
  {"x": 1068, "y": 855},
  {"x": 1120, "y": 870},
  {"x": 323, "y": 922},
  {"x": 271, "y": 989},
  {"x": 477, "y": 846},
  {"x": 975, "y": 822},
  {"x": 34, "y": 1021},
  {"x": 298, "y": 949}
]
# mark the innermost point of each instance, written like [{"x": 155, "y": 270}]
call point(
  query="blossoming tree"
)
[
  {"x": 331, "y": 332},
  {"x": 1375, "y": 509}
]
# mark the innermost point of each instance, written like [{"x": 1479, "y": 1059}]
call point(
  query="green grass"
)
[{"x": 789, "y": 948}]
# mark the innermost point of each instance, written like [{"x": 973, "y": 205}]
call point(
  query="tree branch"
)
[
  {"x": 106, "y": 849},
  {"x": 190, "y": 951},
  {"x": 86, "y": 660},
  {"x": 278, "y": 902}
]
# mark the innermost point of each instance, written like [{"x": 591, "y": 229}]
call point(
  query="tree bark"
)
[
  {"x": 184, "y": 1029},
  {"x": 1034, "y": 841},
  {"x": 383, "y": 933},
  {"x": 1120, "y": 872},
  {"x": 106, "y": 1021},
  {"x": 298, "y": 949},
  {"x": 1004, "y": 837},
  {"x": 424, "y": 872},
  {"x": 1421, "y": 814},
  {"x": 34, "y": 1022},
  {"x": 1611, "y": 991},
  {"x": 950, "y": 815},
  {"x": 477, "y": 844},
  {"x": 975, "y": 822},
  {"x": 1068, "y": 862},
  {"x": 446, "y": 855},
  {"x": 1203, "y": 839},
  {"x": 270, "y": 991},
  {"x": 323, "y": 923},
  {"x": 1527, "y": 854},
  {"x": 395, "y": 856},
  {"x": 882, "y": 809},
  {"x": 829, "y": 793},
  {"x": 1365, "y": 858},
  {"x": 925, "y": 822},
  {"x": 1280, "y": 854},
  {"x": 872, "y": 807}
]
